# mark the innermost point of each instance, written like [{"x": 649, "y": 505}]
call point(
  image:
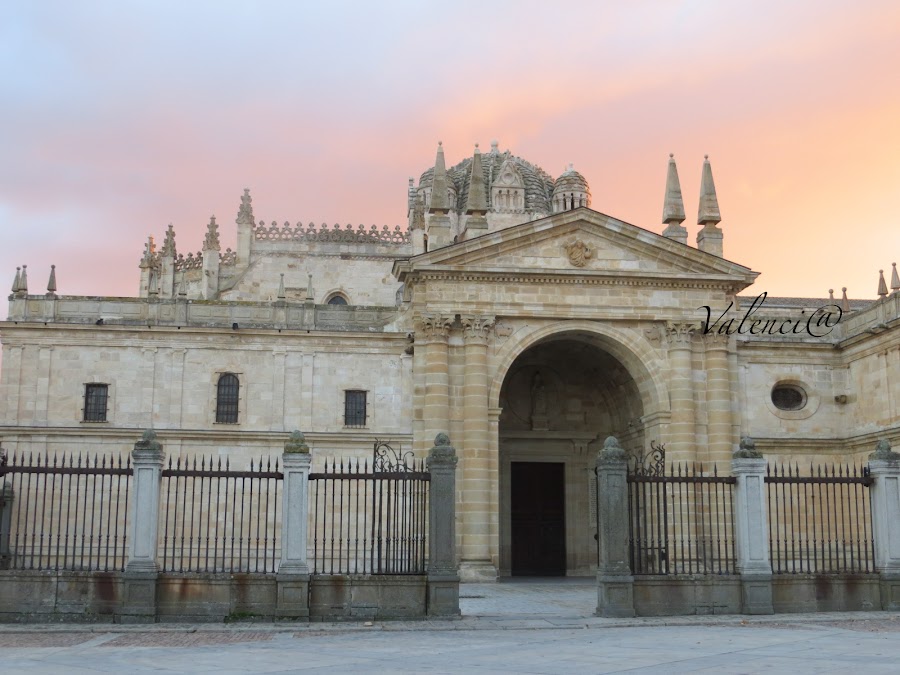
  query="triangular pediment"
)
[{"x": 582, "y": 242}]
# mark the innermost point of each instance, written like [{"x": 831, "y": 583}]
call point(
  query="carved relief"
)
[{"x": 579, "y": 253}]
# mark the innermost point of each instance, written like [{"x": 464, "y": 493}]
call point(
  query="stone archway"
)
[{"x": 559, "y": 394}]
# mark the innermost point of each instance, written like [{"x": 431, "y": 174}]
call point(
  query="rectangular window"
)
[
  {"x": 354, "y": 408},
  {"x": 95, "y": 399}
]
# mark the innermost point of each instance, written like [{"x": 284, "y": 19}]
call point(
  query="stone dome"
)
[
  {"x": 571, "y": 181},
  {"x": 538, "y": 183}
]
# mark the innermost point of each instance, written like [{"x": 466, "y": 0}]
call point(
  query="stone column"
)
[
  {"x": 682, "y": 425},
  {"x": 718, "y": 399},
  {"x": 443, "y": 577},
  {"x": 615, "y": 583},
  {"x": 293, "y": 573},
  {"x": 884, "y": 467},
  {"x": 475, "y": 558},
  {"x": 434, "y": 330},
  {"x": 141, "y": 571},
  {"x": 751, "y": 529}
]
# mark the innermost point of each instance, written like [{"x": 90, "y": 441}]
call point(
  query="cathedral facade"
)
[{"x": 508, "y": 313}]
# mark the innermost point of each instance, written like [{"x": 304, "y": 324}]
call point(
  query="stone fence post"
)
[
  {"x": 6, "y": 501},
  {"x": 293, "y": 573},
  {"x": 615, "y": 583},
  {"x": 884, "y": 467},
  {"x": 751, "y": 529},
  {"x": 443, "y": 571},
  {"x": 141, "y": 571}
]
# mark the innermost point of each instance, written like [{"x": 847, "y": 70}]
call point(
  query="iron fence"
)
[
  {"x": 370, "y": 517},
  {"x": 680, "y": 518},
  {"x": 64, "y": 512},
  {"x": 820, "y": 523},
  {"x": 217, "y": 519}
]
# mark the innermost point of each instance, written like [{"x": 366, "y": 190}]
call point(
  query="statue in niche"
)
[{"x": 539, "y": 420}]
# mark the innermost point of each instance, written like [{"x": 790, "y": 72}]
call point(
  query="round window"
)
[{"x": 788, "y": 397}]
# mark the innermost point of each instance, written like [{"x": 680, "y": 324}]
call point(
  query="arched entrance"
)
[{"x": 559, "y": 397}]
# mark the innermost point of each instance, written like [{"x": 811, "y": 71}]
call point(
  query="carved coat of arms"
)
[{"x": 579, "y": 253}]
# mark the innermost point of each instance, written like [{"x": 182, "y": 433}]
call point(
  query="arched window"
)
[
  {"x": 227, "y": 396},
  {"x": 337, "y": 299}
]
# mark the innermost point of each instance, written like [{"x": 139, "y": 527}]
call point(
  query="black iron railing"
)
[
  {"x": 370, "y": 517},
  {"x": 64, "y": 512},
  {"x": 820, "y": 523},
  {"x": 217, "y": 519},
  {"x": 680, "y": 518}
]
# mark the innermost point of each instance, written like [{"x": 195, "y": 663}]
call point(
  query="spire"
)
[
  {"x": 895, "y": 279},
  {"x": 476, "y": 204},
  {"x": 23, "y": 280},
  {"x": 168, "y": 249},
  {"x": 709, "y": 204},
  {"x": 211, "y": 242},
  {"x": 245, "y": 212},
  {"x": 51, "y": 284},
  {"x": 281, "y": 295},
  {"x": 882, "y": 287},
  {"x": 15, "y": 286},
  {"x": 439, "y": 201},
  {"x": 673, "y": 206},
  {"x": 845, "y": 303}
]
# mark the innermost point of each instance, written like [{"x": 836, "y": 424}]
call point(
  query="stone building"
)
[{"x": 509, "y": 313}]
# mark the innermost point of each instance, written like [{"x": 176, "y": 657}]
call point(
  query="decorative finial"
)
[
  {"x": 612, "y": 450},
  {"x": 476, "y": 202},
  {"x": 51, "y": 284},
  {"x": 211, "y": 241},
  {"x": 673, "y": 204},
  {"x": 845, "y": 303},
  {"x": 883, "y": 451},
  {"x": 495, "y": 147},
  {"x": 245, "y": 211},
  {"x": 747, "y": 449},
  {"x": 296, "y": 443},
  {"x": 708, "y": 213},
  {"x": 831, "y": 294},
  {"x": 882, "y": 286},
  {"x": 168, "y": 249},
  {"x": 895, "y": 278},
  {"x": 440, "y": 202}
]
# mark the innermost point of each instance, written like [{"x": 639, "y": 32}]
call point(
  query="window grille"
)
[
  {"x": 95, "y": 400},
  {"x": 788, "y": 397},
  {"x": 227, "y": 396},
  {"x": 354, "y": 408}
]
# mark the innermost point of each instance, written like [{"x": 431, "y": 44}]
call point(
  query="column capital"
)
[
  {"x": 678, "y": 334},
  {"x": 715, "y": 340},
  {"x": 434, "y": 327},
  {"x": 477, "y": 329}
]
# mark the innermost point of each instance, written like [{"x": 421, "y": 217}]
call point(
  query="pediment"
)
[
  {"x": 508, "y": 176},
  {"x": 582, "y": 242}
]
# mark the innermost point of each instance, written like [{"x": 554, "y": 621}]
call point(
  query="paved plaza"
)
[{"x": 521, "y": 627}]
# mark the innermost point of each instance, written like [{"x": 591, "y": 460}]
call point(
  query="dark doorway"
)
[{"x": 538, "y": 513}]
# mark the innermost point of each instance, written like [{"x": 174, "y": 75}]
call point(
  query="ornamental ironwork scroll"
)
[
  {"x": 652, "y": 462},
  {"x": 387, "y": 459}
]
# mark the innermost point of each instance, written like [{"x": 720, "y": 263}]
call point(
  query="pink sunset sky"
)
[{"x": 121, "y": 117}]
